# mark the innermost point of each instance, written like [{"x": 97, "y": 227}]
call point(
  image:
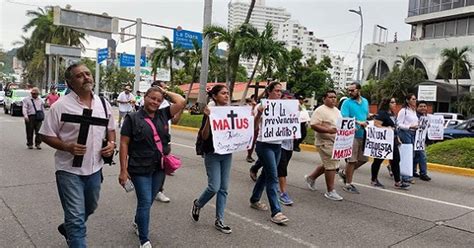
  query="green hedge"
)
[{"x": 456, "y": 152}]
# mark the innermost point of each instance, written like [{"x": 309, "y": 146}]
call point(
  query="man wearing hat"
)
[{"x": 126, "y": 103}]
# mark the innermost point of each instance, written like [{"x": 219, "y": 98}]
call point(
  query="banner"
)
[
  {"x": 344, "y": 138},
  {"x": 379, "y": 142},
  {"x": 280, "y": 120},
  {"x": 421, "y": 132},
  {"x": 435, "y": 127},
  {"x": 232, "y": 128},
  {"x": 406, "y": 160}
]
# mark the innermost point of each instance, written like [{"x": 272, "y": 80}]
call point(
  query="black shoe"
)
[
  {"x": 297, "y": 149},
  {"x": 62, "y": 231},
  {"x": 425, "y": 178},
  {"x": 416, "y": 174},
  {"x": 223, "y": 228},
  {"x": 195, "y": 211}
]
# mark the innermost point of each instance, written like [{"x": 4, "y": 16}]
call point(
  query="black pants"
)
[
  {"x": 304, "y": 132},
  {"x": 394, "y": 163},
  {"x": 32, "y": 127}
]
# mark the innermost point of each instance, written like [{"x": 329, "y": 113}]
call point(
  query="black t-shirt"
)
[{"x": 388, "y": 120}]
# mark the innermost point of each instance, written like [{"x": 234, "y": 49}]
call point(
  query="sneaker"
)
[
  {"x": 250, "y": 160},
  {"x": 409, "y": 180},
  {"x": 349, "y": 188},
  {"x": 38, "y": 147},
  {"x": 259, "y": 206},
  {"x": 333, "y": 195},
  {"x": 297, "y": 149},
  {"x": 309, "y": 182},
  {"x": 425, "y": 178},
  {"x": 30, "y": 147},
  {"x": 221, "y": 227},
  {"x": 285, "y": 199},
  {"x": 402, "y": 185},
  {"x": 279, "y": 218},
  {"x": 195, "y": 211},
  {"x": 135, "y": 228},
  {"x": 162, "y": 197},
  {"x": 342, "y": 175},
  {"x": 389, "y": 168},
  {"x": 377, "y": 184},
  {"x": 146, "y": 245},
  {"x": 62, "y": 231},
  {"x": 416, "y": 174},
  {"x": 253, "y": 175}
]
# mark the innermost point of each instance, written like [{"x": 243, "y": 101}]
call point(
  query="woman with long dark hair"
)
[
  {"x": 407, "y": 121},
  {"x": 386, "y": 118}
]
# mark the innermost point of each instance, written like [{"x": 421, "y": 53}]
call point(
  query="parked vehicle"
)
[
  {"x": 451, "y": 119},
  {"x": 463, "y": 130},
  {"x": 2, "y": 97},
  {"x": 13, "y": 101}
]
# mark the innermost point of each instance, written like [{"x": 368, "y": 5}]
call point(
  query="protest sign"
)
[
  {"x": 420, "y": 135},
  {"x": 280, "y": 120},
  {"x": 344, "y": 138},
  {"x": 379, "y": 142},
  {"x": 435, "y": 127},
  {"x": 232, "y": 128},
  {"x": 406, "y": 159}
]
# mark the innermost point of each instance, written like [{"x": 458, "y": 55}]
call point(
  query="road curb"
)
[{"x": 431, "y": 166}]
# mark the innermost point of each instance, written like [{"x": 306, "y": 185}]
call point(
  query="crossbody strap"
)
[
  {"x": 106, "y": 116},
  {"x": 34, "y": 106},
  {"x": 156, "y": 138}
]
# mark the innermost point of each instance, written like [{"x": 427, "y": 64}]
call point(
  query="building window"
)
[
  {"x": 458, "y": 3},
  {"x": 469, "y": 2},
  {"x": 429, "y": 31},
  {"x": 446, "y": 4},
  {"x": 461, "y": 27},
  {"x": 439, "y": 30},
  {"x": 450, "y": 28},
  {"x": 434, "y": 5},
  {"x": 413, "y": 8},
  {"x": 471, "y": 26},
  {"x": 424, "y": 7}
]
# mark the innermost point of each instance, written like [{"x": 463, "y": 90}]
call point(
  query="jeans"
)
[
  {"x": 269, "y": 155},
  {"x": 32, "y": 127},
  {"x": 79, "y": 196},
  {"x": 420, "y": 160},
  {"x": 218, "y": 171},
  {"x": 146, "y": 188}
]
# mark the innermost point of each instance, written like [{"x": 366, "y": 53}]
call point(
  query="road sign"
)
[
  {"x": 53, "y": 49},
  {"x": 184, "y": 39},
  {"x": 127, "y": 60},
  {"x": 102, "y": 54}
]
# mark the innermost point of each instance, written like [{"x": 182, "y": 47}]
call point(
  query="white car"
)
[{"x": 451, "y": 119}]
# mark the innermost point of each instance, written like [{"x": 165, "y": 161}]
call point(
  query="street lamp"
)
[{"x": 359, "y": 12}]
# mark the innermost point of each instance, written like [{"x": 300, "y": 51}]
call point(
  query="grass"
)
[{"x": 456, "y": 152}]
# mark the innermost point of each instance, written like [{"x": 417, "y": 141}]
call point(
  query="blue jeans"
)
[
  {"x": 420, "y": 160},
  {"x": 218, "y": 171},
  {"x": 79, "y": 196},
  {"x": 146, "y": 188},
  {"x": 269, "y": 155}
]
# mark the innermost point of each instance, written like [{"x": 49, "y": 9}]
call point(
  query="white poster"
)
[
  {"x": 280, "y": 120},
  {"x": 421, "y": 132},
  {"x": 406, "y": 160},
  {"x": 232, "y": 128},
  {"x": 379, "y": 142},
  {"x": 435, "y": 127},
  {"x": 346, "y": 129},
  {"x": 427, "y": 93}
]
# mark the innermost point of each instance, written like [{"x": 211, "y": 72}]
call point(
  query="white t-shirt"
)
[
  {"x": 123, "y": 97},
  {"x": 260, "y": 136},
  {"x": 327, "y": 116}
]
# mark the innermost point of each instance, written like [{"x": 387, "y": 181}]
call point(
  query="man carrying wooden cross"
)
[{"x": 76, "y": 126}]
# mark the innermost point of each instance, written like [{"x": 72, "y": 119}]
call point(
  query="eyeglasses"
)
[
  {"x": 393, "y": 102},
  {"x": 351, "y": 90},
  {"x": 413, "y": 99}
]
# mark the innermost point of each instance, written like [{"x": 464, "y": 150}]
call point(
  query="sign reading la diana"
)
[
  {"x": 184, "y": 39},
  {"x": 344, "y": 138},
  {"x": 232, "y": 128},
  {"x": 280, "y": 120}
]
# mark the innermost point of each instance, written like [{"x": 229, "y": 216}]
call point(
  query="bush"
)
[
  {"x": 456, "y": 152},
  {"x": 189, "y": 120}
]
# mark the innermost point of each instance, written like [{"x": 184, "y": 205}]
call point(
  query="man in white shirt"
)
[
  {"x": 33, "y": 112},
  {"x": 78, "y": 187},
  {"x": 126, "y": 103}
]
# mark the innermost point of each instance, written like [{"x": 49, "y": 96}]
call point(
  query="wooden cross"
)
[{"x": 85, "y": 120}]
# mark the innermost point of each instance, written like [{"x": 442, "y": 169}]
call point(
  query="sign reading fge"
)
[{"x": 344, "y": 138}]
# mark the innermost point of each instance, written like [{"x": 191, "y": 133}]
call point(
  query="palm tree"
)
[
  {"x": 455, "y": 63},
  {"x": 249, "y": 12},
  {"x": 164, "y": 56}
]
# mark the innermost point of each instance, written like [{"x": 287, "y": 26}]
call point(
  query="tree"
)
[
  {"x": 249, "y": 12},
  {"x": 164, "y": 56},
  {"x": 193, "y": 58},
  {"x": 400, "y": 81},
  {"x": 313, "y": 77},
  {"x": 116, "y": 77},
  {"x": 455, "y": 63}
]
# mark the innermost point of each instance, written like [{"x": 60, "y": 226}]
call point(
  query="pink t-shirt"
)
[{"x": 52, "y": 98}]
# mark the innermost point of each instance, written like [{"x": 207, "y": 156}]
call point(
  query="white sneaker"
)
[
  {"x": 309, "y": 182},
  {"x": 333, "y": 195},
  {"x": 146, "y": 245},
  {"x": 162, "y": 197},
  {"x": 135, "y": 228}
]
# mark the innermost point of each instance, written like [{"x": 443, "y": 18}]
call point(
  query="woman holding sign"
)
[
  {"x": 386, "y": 118},
  {"x": 407, "y": 121},
  {"x": 217, "y": 165}
]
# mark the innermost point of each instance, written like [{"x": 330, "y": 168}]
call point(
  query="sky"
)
[{"x": 329, "y": 19}]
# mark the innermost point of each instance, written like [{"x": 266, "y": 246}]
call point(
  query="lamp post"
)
[{"x": 359, "y": 12}]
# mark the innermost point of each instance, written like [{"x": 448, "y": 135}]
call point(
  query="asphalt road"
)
[{"x": 439, "y": 213}]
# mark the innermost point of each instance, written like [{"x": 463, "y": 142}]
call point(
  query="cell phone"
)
[{"x": 128, "y": 186}]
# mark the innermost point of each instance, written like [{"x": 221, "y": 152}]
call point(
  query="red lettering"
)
[
  {"x": 241, "y": 123},
  {"x": 338, "y": 154},
  {"x": 220, "y": 125},
  {"x": 346, "y": 132}
]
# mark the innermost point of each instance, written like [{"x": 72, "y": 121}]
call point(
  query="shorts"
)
[
  {"x": 284, "y": 161},
  {"x": 325, "y": 152},
  {"x": 358, "y": 152}
]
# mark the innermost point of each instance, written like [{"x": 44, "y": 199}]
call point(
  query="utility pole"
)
[
  {"x": 205, "y": 55},
  {"x": 359, "y": 12},
  {"x": 97, "y": 74},
  {"x": 138, "y": 47}
]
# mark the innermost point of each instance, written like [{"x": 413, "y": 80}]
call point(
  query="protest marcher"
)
[
  {"x": 386, "y": 118},
  {"x": 78, "y": 187},
  {"x": 304, "y": 119},
  {"x": 144, "y": 142},
  {"x": 126, "y": 103},
  {"x": 323, "y": 122},
  {"x": 269, "y": 153},
  {"x": 52, "y": 96},
  {"x": 249, "y": 158},
  {"x": 420, "y": 155},
  {"x": 217, "y": 165},
  {"x": 138, "y": 100},
  {"x": 407, "y": 121},
  {"x": 33, "y": 113},
  {"x": 356, "y": 107}
]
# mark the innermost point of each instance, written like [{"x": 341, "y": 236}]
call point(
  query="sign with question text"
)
[
  {"x": 379, "y": 142},
  {"x": 420, "y": 134},
  {"x": 280, "y": 120},
  {"x": 343, "y": 143}
]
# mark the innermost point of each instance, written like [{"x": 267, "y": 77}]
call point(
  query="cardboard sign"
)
[
  {"x": 435, "y": 127},
  {"x": 406, "y": 160},
  {"x": 280, "y": 120},
  {"x": 379, "y": 143},
  {"x": 421, "y": 132},
  {"x": 232, "y": 128},
  {"x": 346, "y": 129}
]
